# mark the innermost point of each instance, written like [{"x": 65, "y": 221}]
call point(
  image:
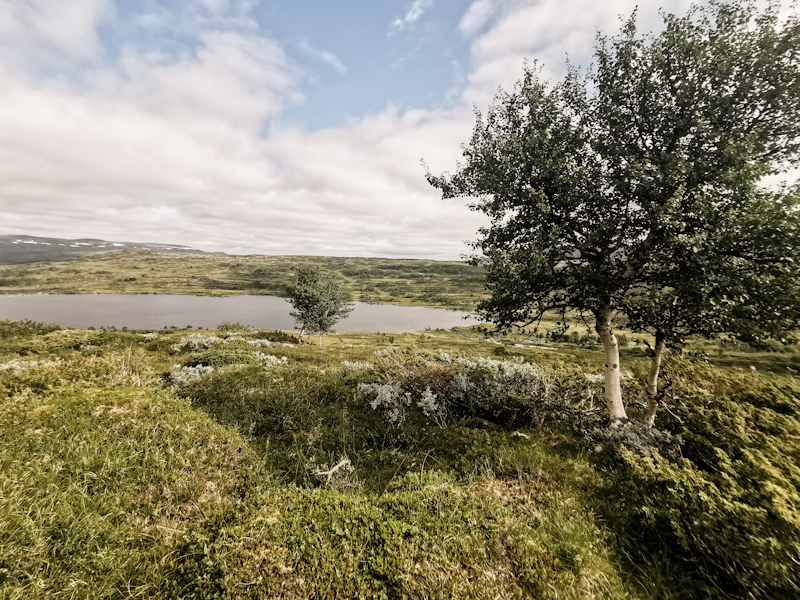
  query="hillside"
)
[
  {"x": 395, "y": 281},
  {"x": 20, "y": 249},
  {"x": 235, "y": 463}
]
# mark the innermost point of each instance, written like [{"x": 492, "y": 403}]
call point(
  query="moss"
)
[{"x": 110, "y": 486}]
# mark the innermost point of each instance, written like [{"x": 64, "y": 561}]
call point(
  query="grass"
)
[
  {"x": 115, "y": 485},
  {"x": 401, "y": 281}
]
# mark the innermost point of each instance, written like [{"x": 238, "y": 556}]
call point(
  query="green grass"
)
[{"x": 112, "y": 485}]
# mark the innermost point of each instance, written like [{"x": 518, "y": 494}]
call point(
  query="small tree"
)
[
  {"x": 611, "y": 188},
  {"x": 741, "y": 280},
  {"x": 318, "y": 301}
]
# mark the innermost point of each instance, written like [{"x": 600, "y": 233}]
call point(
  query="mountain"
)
[{"x": 17, "y": 249}]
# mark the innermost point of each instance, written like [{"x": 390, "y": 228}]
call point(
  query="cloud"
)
[
  {"x": 189, "y": 147},
  {"x": 124, "y": 166},
  {"x": 478, "y": 15},
  {"x": 159, "y": 147},
  {"x": 418, "y": 8},
  {"x": 324, "y": 55},
  {"x": 215, "y": 6},
  {"x": 52, "y": 31},
  {"x": 237, "y": 79},
  {"x": 548, "y": 31}
]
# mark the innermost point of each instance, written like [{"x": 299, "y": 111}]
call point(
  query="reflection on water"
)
[{"x": 154, "y": 311}]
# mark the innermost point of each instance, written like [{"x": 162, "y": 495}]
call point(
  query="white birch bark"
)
[
  {"x": 613, "y": 388},
  {"x": 652, "y": 381}
]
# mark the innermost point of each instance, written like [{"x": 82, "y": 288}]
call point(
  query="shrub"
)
[
  {"x": 388, "y": 398},
  {"x": 220, "y": 357},
  {"x": 739, "y": 527},
  {"x": 509, "y": 391},
  {"x": 18, "y": 366},
  {"x": 606, "y": 444},
  {"x": 431, "y": 408},
  {"x": 196, "y": 341},
  {"x": 356, "y": 379},
  {"x": 257, "y": 403},
  {"x": 730, "y": 508},
  {"x": 25, "y": 328},
  {"x": 260, "y": 343},
  {"x": 270, "y": 360},
  {"x": 182, "y": 377},
  {"x": 277, "y": 336},
  {"x": 227, "y": 326}
]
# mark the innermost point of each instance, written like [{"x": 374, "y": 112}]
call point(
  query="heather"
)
[{"x": 236, "y": 463}]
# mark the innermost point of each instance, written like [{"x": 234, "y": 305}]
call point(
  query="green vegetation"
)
[
  {"x": 318, "y": 301},
  {"x": 404, "y": 282},
  {"x": 234, "y": 463},
  {"x": 635, "y": 187},
  {"x": 239, "y": 463}
]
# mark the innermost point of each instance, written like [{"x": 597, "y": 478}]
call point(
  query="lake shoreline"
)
[
  {"x": 374, "y": 303},
  {"x": 164, "y": 311}
]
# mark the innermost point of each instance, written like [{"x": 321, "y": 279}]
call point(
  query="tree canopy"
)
[
  {"x": 317, "y": 300},
  {"x": 634, "y": 187}
]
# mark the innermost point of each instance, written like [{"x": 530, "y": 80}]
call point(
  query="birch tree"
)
[
  {"x": 594, "y": 183},
  {"x": 741, "y": 280},
  {"x": 318, "y": 301}
]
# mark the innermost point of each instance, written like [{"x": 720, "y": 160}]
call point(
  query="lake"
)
[{"x": 155, "y": 311}]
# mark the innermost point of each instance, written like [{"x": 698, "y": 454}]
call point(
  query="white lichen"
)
[
  {"x": 196, "y": 342},
  {"x": 355, "y": 367},
  {"x": 181, "y": 377},
  {"x": 270, "y": 360}
]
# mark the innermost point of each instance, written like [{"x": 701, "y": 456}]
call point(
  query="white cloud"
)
[
  {"x": 547, "y": 31},
  {"x": 191, "y": 150},
  {"x": 44, "y": 29},
  {"x": 477, "y": 16},
  {"x": 324, "y": 55},
  {"x": 169, "y": 150},
  {"x": 418, "y": 8},
  {"x": 215, "y": 6},
  {"x": 237, "y": 79}
]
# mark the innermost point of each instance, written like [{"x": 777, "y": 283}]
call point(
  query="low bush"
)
[
  {"x": 270, "y": 360},
  {"x": 260, "y": 404},
  {"x": 482, "y": 487},
  {"x": 195, "y": 342},
  {"x": 431, "y": 536},
  {"x": 220, "y": 357},
  {"x": 25, "y": 328},
  {"x": 228, "y": 326},
  {"x": 511, "y": 392},
  {"x": 277, "y": 336},
  {"x": 355, "y": 367},
  {"x": 608, "y": 446},
  {"x": 387, "y": 398},
  {"x": 730, "y": 508}
]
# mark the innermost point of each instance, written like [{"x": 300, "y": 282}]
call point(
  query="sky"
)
[{"x": 265, "y": 127}]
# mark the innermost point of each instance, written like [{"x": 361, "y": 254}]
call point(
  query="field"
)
[
  {"x": 404, "y": 282},
  {"x": 235, "y": 463}
]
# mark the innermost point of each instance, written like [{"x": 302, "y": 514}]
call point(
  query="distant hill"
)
[{"x": 19, "y": 249}]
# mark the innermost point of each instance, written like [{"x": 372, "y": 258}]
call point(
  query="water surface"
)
[{"x": 155, "y": 311}]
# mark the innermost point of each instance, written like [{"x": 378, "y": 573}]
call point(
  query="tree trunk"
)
[
  {"x": 320, "y": 339},
  {"x": 300, "y": 337},
  {"x": 613, "y": 389},
  {"x": 652, "y": 380}
]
